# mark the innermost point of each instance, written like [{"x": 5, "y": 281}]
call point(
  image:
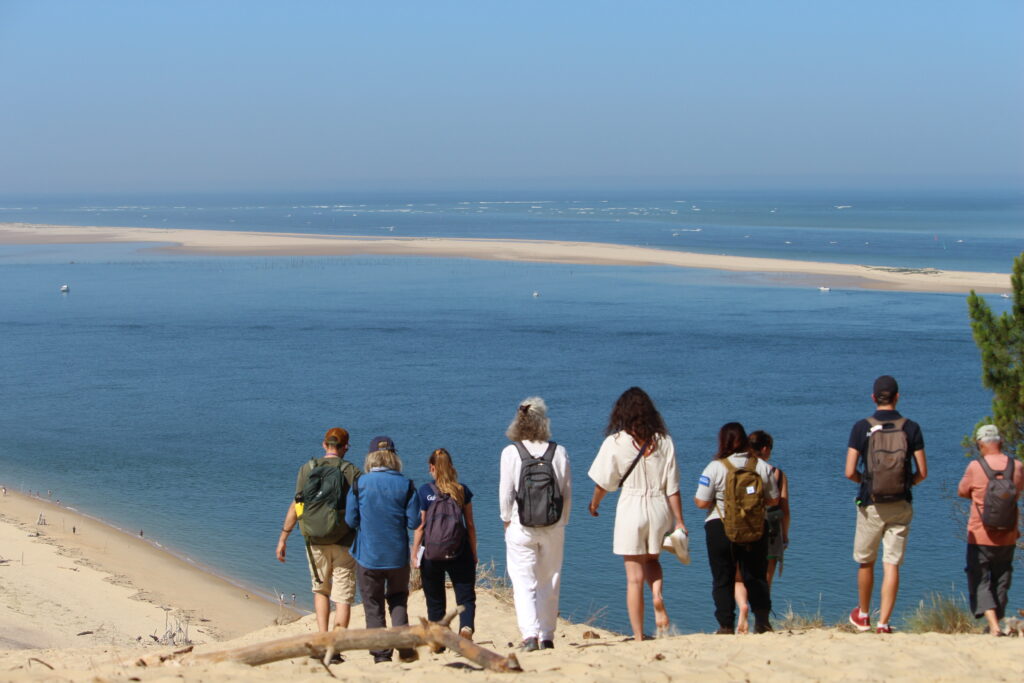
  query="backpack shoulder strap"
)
[
  {"x": 899, "y": 422},
  {"x": 1010, "y": 464},
  {"x": 524, "y": 455},
  {"x": 410, "y": 493},
  {"x": 989, "y": 472},
  {"x": 751, "y": 464},
  {"x": 729, "y": 467},
  {"x": 549, "y": 454},
  {"x": 873, "y": 422}
]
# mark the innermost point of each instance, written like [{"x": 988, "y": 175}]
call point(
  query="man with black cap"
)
[{"x": 885, "y": 455}]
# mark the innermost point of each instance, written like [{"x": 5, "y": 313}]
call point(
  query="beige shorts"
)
[
  {"x": 337, "y": 569},
  {"x": 886, "y": 523}
]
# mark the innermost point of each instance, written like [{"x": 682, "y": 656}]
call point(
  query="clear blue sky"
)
[{"x": 219, "y": 95}]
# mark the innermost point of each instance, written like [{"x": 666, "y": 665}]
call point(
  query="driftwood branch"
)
[{"x": 429, "y": 634}]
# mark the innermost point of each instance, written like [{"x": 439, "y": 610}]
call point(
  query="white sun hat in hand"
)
[{"x": 678, "y": 543}]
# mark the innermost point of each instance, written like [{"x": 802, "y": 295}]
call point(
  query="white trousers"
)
[{"x": 533, "y": 559}]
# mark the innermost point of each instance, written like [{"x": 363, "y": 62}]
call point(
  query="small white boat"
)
[
  {"x": 1005, "y": 296},
  {"x": 824, "y": 289},
  {"x": 64, "y": 289},
  {"x": 536, "y": 293}
]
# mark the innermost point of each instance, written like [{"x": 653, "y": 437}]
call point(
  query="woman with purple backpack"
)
[{"x": 445, "y": 542}]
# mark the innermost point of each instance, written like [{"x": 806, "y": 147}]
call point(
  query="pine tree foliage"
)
[{"x": 1001, "y": 342}]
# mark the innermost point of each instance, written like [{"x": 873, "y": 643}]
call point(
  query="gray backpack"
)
[
  {"x": 538, "y": 496},
  {"x": 886, "y": 466},
  {"x": 999, "y": 510}
]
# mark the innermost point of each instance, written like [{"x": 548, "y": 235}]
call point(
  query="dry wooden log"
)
[{"x": 430, "y": 634}]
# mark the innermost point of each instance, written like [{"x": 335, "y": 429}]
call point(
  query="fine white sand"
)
[
  {"x": 224, "y": 242},
  {"x": 76, "y": 581},
  {"x": 75, "y": 602}
]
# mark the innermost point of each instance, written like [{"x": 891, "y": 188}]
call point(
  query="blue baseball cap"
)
[{"x": 381, "y": 443}]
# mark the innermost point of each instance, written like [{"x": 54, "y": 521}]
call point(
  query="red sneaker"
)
[
  {"x": 860, "y": 623},
  {"x": 884, "y": 629}
]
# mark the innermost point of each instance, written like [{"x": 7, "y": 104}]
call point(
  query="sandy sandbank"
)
[
  {"x": 241, "y": 243},
  {"x": 76, "y": 581}
]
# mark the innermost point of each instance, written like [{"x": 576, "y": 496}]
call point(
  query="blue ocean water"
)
[{"x": 180, "y": 394}]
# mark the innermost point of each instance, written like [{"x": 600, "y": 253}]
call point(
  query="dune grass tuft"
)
[
  {"x": 489, "y": 578},
  {"x": 941, "y": 613}
]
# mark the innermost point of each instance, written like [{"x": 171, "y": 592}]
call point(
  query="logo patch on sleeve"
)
[{"x": 704, "y": 481}]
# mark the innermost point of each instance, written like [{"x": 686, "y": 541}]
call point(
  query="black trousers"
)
[
  {"x": 752, "y": 558},
  {"x": 989, "y": 571},
  {"x": 462, "y": 571},
  {"x": 377, "y": 586}
]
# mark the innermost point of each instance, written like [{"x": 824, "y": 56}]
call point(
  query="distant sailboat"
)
[{"x": 64, "y": 289}]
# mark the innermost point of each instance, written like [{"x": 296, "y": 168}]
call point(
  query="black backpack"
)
[
  {"x": 444, "y": 531},
  {"x": 538, "y": 496},
  {"x": 999, "y": 510}
]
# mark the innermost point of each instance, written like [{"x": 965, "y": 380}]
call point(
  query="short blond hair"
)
[{"x": 388, "y": 459}]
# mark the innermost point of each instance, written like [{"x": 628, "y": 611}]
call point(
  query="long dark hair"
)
[
  {"x": 759, "y": 441},
  {"x": 732, "y": 438},
  {"x": 635, "y": 413}
]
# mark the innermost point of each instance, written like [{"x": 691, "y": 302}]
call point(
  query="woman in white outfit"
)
[
  {"x": 534, "y": 553},
  {"x": 639, "y": 457}
]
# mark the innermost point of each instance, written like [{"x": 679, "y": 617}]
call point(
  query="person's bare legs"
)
[
  {"x": 655, "y": 579},
  {"x": 635, "y": 593},
  {"x": 890, "y": 586},
  {"x": 993, "y": 623},
  {"x": 342, "y": 614},
  {"x": 322, "y": 605},
  {"x": 740, "y": 591},
  {"x": 865, "y": 584}
]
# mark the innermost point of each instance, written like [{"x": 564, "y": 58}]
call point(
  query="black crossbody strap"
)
[{"x": 632, "y": 466}]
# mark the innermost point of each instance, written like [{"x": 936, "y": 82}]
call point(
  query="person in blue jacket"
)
[{"x": 382, "y": 507}]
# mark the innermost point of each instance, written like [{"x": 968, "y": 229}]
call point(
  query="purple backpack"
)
[{"x": 444, "y": 531}]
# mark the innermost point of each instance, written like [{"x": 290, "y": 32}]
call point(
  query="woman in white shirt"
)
[
  {"x": 534, "y": 548},
  {"x": 638, "y": 456},
  {"x": 723, "y": 554}
]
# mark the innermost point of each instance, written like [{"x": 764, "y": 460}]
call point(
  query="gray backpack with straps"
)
[
  {"x": 538, "y": 495},
  {"x": 999, "y": 510},
  {"x": 887, "y": 461}
]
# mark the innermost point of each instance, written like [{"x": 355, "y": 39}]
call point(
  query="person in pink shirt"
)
[{"x": 989, "y": 550}]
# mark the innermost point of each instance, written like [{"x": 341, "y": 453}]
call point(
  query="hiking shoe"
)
[
  {"x": 860, "y": 623},
  {"x": 725, "y": 631},
  {"x": 547, "y": 645},
  {"x": 529, "y": 645},
  {"x": 763, "y": 627},
  {"x": 466, "y": 632},
  {"x": 884, "y": 629},
  {"x": 380, "y": 659}
]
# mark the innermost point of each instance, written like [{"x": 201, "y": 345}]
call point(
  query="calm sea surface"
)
[{"x": 180, "y": 395}]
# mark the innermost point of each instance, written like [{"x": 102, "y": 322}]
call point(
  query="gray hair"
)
[
  {"x": 388, "y": 459},
  {"x": 531, "y": 422}
]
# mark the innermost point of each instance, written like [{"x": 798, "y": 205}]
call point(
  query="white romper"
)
[{"x": 642, "y": 515}]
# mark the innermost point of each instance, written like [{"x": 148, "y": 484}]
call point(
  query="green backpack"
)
[
  {"x": 322, "y": 520},
  {"x": 745, "y": 507}
]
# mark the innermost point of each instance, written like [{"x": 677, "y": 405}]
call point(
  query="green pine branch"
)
[{"x": 1001, "y": 343}]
